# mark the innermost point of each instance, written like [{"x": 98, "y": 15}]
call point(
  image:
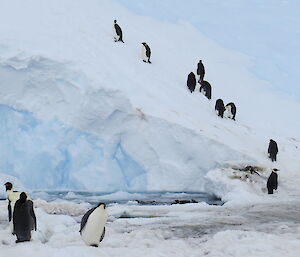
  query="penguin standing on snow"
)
[
  {"x": 12, "y": 197},
  {"x": 272, "y": 150},
  {"x": 200, "y": 71},
  {"x": 24, "y": 219},
  {"x": 220, "y": 108},
  {"x": 272, "y": 183},
  {"x": 231, "y": 110},
  {"x": 118, "y": 35},
  {"x": 92, "y": 229},
  {"x": 205, "y": 89},
  {"x": 191, "y": 82},
  {"x": 146, "y": 52}
]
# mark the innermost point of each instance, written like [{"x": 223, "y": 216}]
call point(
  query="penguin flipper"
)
[
  {"x": 103, "y": 234},
  {"x": 85, "y": 218},
  {"x": 9, "y": 212}
]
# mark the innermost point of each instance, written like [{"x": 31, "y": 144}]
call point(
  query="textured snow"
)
[{"x": 266, "y": 229}]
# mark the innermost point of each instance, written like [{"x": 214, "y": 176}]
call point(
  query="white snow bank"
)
[{"x": 80, "y": 111}]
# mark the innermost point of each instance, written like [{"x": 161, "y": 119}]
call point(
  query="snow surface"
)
[
  {"x": 81, "y": 112},
  {"x": 268, "y": 31},
  {"x": 266, "y": 229}
]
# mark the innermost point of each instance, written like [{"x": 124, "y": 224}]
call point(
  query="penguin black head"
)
[
  {"x": 275, "y": 170},
  {"x": 8, "y": 186},
  {"x": 200, "y": 61},
  {"x": 23, "y": 197},
  {"x": 115, "y": 21},
  {"x": 144, "y": 43},
  {"x": 104, "y": 205}
]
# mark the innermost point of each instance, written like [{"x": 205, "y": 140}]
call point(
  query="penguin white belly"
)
[
  {"x": 228, "y": 113},
  {"x": 143, "y": 54},
  {"x": 13, "y": 196},
  {"x": 93, "y": 229}
]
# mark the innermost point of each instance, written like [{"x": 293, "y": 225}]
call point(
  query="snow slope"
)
[
  {"x": 82, "y": 112},
  {"x": 268, "y": 31}
]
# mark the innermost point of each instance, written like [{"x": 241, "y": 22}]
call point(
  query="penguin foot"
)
[
  {"x": 94, "y": 245},
  {"x": 144, "y": 61},
  {"x": 20, "y": 241}
]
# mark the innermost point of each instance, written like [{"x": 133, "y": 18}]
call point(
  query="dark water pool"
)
[{"x": 142, "y": 198}]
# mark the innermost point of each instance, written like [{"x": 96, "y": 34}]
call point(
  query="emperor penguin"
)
[
  {"x": 12, "y": 197},
  {"x": 191, "y": 82},
  {"x": 273, "y": 150},
  {"x": 24, "y": 219},
  {"x": 92, "y": 229},
  {"x": 231, "y": 110},
  {"x": 220, "y": 108},
  {"x": 272, "y": 182},
  {"x": 200, "y": 71},
  {"x": 118, "y": 35},
  {"x": 205, "y": 89},
  {"x": 146, "y": 52}
]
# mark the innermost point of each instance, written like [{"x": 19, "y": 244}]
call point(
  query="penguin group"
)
[
  {"x": 206, "y": 90},
  {"x": 22, "y": 219},
  {"x": 21, "y": 214},
  {"x": 220, "y": 108},
  {"x": 230, "y": 109},
  {"x": 118, "y": 37}
]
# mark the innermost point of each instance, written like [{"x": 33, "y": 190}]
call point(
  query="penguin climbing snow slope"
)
[
  {"x": 200, "y": 71},
  {"x": 118, "y": 35},
  {"x": 231, "y": 110},
  {"x": 220, "y": 108},
  {"x": 272, "y": 183},
  {"x": 92, "y": 229},
  {"x": 12, "y": 197},
  {"x": 273, "y": 150},
  {"x": 205, "y": 89},
  {"x": 24, "y": 219},
  {"x": 146, "y": 52},
  {"x": 191, "y": 82}
]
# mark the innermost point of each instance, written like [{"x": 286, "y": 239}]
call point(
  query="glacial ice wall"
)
[
  {"x": 51, "y": 155},
  {"x": 52, "y": 139}
]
